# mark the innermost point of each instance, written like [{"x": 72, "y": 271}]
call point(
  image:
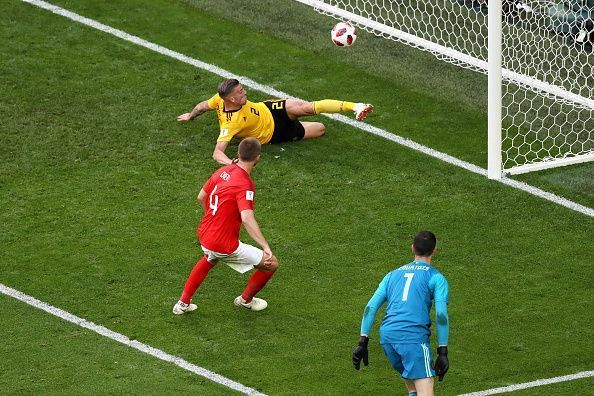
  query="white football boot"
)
[
  {"x": 361, "y": 110},
  {"x": 181, "y": 308},
  {"x": 257, "y": 304}
]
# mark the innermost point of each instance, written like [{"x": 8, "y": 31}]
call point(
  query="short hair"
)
[
  {"x": 424, "y": 243},
  {"x": 225, "y": 88},
  {"x": 249, "y": 149}
]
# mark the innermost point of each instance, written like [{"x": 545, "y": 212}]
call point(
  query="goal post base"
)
[{"x": 553, "y": 163}]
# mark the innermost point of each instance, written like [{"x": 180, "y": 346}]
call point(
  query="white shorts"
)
[{"x": 243, "y": 259}]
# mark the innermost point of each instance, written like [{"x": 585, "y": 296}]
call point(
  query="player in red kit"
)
[{"x": 228, "y": 202}]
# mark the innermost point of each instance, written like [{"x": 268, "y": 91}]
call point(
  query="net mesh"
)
[{"x": 547, "y": 61}]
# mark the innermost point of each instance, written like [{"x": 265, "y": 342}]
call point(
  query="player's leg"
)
[
  {"x": 244, "y": 259},
  {"x": 288, "y": 129},
  {"x": 410, "y": 386},
  {"x": 416, "y": 359},
  {"x": 424, "y": 386},
  {"x": 298, "y": 108},
  {"x": 395, "y": 359},
  {"x": 313, "y": 129},
  {"x": 197, "y": 276},
  {"x": 264, "y": 271}
]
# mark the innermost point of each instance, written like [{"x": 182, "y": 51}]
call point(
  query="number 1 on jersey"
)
[{"x": 409, "y": 277}]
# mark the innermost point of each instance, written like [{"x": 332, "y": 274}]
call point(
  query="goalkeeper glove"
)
[
  {"x": 441, "y": 365},
  {"x": 360, "y": 353}
]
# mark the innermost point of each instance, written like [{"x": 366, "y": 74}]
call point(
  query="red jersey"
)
[{"x": 229, "y": 191}]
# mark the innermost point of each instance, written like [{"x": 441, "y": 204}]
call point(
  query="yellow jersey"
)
[{"x": 252, "y": 120}]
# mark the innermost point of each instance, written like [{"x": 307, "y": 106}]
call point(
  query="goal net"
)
[{"x": 547, "y": 66}]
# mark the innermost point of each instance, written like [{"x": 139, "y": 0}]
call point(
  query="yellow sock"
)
[{"x": 333, "y": 106}]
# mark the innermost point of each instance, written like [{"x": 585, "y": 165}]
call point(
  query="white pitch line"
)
[
  {"x": 159, "y": 354},
  {"x": 357, "y": 124},
  {"x": 279, "y": 94},
  {"x": 273, "y": 92},
  {"x": 540, "y": 382}
]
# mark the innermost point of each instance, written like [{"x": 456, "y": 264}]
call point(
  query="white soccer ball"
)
[{"x": 344, "y": 34}]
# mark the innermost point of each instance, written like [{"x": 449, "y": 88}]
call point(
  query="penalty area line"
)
[
  {"x": 532, "y": 384},
  {"x": 338, "y": 117},
  {"x": 104, "y": 331}
]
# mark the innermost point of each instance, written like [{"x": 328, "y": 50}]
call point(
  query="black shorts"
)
[{"x": 285, "y": 129}]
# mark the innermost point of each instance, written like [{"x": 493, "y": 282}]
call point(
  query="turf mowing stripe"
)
[
  {"x": 338, "y": 117},
  {"x": 159, "y": 354},
  {"x": 540, "y": 382}
]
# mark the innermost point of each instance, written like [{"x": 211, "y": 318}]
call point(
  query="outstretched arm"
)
[
  {"x": 219, "y": 153},
  {"x": 200, "y": 108}
]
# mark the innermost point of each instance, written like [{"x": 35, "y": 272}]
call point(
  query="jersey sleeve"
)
[
  {"x": 209, "y": 185},
  {"x": 245, "y": 197},
  {"x": 376, "y": 301},
  {"x": 440, "y": 290},
  {"x": 442, "y": 322},
  {"x": 213, "y": 102},
  {"x": 228, "y": 130},
  {"x": 439, "y": 287}
]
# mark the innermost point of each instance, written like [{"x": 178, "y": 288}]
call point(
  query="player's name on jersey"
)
[
  {"x": 413, "y": 267},
  {"x": 225, "y": 176}
]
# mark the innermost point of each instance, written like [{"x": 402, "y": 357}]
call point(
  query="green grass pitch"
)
[{"x": 98, "y": 214}]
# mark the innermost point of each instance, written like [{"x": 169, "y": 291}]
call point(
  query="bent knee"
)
[
  {"x": 270, "y": 265},
  {"x": 314, "y": 130},
  {"x": 274, "y": 264},
  {"x": 322, "y": 129}
]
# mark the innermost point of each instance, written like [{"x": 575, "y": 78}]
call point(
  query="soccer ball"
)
[{"x": 344, "y": 34}]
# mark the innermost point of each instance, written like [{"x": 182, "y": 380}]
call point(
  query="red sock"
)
[
  {"x": 195, "y": 279},
  {"x": 255, "y": 284}
]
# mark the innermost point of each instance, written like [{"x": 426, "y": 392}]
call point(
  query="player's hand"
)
[
  {"x": 267, "y": 256},
  {"x": 185, "y": 117},
  {"x": 442, "y": 364},
  {"x": 360, "y": 353}
]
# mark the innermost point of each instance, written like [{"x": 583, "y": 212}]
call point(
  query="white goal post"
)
[{"x": 538, "y": 57}]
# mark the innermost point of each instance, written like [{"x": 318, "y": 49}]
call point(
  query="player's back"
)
[
  {"x": 409, "y": 293},
  {"x": 229, "y": 191}
]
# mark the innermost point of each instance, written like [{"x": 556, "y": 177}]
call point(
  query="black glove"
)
[
  {"x": 441, "y": 365},
  {"x": 360, "y": 352}
]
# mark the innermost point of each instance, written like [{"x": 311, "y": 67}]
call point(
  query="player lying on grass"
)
[{"x": 271, "y": 121}]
